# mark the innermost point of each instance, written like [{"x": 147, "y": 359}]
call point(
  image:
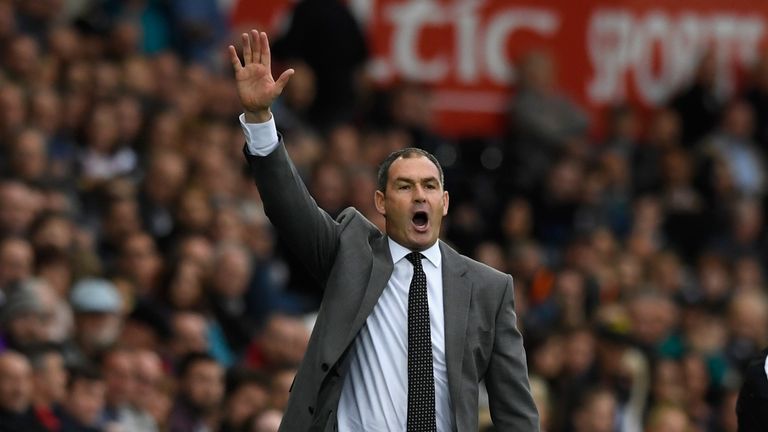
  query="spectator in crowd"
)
[
  {"x": 623, "y": 131},
  {"x": 27, "y": 156},
  {"x": 27, "y": 315},
  {"x": 700, "y": 103},
  {"x": 16, "y": 261},
  {"x": 732, "y": 144},
  {"x": 201, "y": 392},
  {"x": 668, "y": 419},
  {"x": 166, "y": 175},
  {"x": 119, "y": 219},
  {"x": 153, "y": 392},
  {"x": 334, "y": 63},
  {"x": 184, "y": 286},
  {"x": 247, "y": 398},
  {"x": 18, "y": 207},
  {"x": 14, "y": 108},
  {"x": 49, "y": 375},
  {"x": 747, "y": 326},
  {"x": 545, "y": 122},
  {"x": 191, "y": 334},
  {"x": 756, "y": 95},
  {"x": 84, "y": 402},
  {"x": 282, "y": 381},
  {"x": 120, "y": 381},
  {"x": 230, "y": 282},
  {"x": 663, "y": 134},
  {"x": 20, "y": 58},
  {"x": 140, "y": 263},
  {"x": 98, "y": 310},
  {"x": 281, "y": 344},
  {"x": 596, "y": 412},
  {"x": 104, "y": 158},
  {"x": 16, "y": 411}
]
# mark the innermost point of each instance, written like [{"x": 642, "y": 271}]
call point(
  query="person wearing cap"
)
[
  {"x": 26, "y": 314},
  {"x": 97, "y": 306}
]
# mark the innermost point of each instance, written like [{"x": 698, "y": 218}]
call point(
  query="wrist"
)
[{"x": 260, "y": 116}]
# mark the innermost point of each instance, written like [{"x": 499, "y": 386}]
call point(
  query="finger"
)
[
  {"x": 236, "y": 65},
  {"x": 247, "y": 54},
  {"x": 283, "y": 80},
  {"x": 266, "y": 55},
  {"x": 256, "y": 46}
]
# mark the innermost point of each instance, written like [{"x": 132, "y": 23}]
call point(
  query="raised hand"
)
[{"x": 255, "y": 85}]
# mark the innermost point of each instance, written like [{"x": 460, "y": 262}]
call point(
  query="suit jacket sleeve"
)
[
  {"x": 752, "y": 403},
  {"x": 308, "y": 230},
  {"x": 511, "y": 404}
]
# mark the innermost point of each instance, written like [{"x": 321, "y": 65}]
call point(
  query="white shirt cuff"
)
[
  {"x": 765, "y": 366},
  {"x": 261, "y": 138}
]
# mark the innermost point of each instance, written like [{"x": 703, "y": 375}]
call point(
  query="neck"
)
[{"x": 411, "y": 248}]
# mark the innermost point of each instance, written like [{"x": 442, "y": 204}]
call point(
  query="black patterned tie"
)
[{"x": 421, "y": 382}]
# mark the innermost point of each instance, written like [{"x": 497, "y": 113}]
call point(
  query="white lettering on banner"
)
[
  {"x": 621, "y": 44},
  {"x": 362, "y": 10},
  {"x": 655, "y": 27},
  {"x": 479, "y": 48},
  {"x": 609, "y": 50},
  {"x": 467, "y": 26},
  {"x": 502, "y": 26},
  {"x": 408, "y": 21}
]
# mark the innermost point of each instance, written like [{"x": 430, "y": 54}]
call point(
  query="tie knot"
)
[{"x": 415, "y": 258}]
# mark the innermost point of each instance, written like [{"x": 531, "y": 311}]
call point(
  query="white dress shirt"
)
[
  {"x": 375, "y": 393},
  {"x": 374, "y": 396}
]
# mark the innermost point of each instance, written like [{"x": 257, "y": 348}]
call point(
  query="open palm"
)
[{"x": 255, "y": 85}]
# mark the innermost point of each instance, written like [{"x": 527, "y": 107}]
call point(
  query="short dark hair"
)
[
  {"x": 83, "y": 373},
  {"x": 38, "y": 353},
  {"x": 241, "y": 377},
  {"x": 191, "y": 359},
  {"x": 406, "y": 153}
]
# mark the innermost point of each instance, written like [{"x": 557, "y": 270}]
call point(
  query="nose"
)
[{"x": 419, "y": 194}]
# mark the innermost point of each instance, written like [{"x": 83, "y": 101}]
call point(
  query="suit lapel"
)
[
  {"x": 457, "y": 293},
  {"x": 381, "y": 271}
]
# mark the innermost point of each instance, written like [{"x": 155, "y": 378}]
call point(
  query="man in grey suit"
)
[{"x": 407, "y": 327}]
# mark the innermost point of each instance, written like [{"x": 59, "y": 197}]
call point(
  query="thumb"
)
[{"x": 283, "y": 80}]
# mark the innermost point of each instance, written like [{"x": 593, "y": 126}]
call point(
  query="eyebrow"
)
[{"x": 411, "y": 181}]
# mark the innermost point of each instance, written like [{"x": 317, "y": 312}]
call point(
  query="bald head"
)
[
  {"x": 18, "y": 206},
  {"x": 15, "y": 382},
  {"x": 16, "y": 260},
  {"x": 149, "y": 376}
]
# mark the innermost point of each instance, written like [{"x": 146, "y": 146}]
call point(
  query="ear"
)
[
  {"x": 445, "y": 203},
  {"x": 378, "y": 200}
]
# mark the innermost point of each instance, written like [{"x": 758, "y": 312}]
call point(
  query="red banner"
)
[{"x": 607, "y": 51}]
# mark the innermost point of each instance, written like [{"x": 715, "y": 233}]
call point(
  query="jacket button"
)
[
  {"x": 324, "y": 367},
  {"x": 311, "y": 410}
]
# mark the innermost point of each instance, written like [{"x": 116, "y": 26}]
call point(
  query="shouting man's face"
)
[{"x": 413, "y": 202}]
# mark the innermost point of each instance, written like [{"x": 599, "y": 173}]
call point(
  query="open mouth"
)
[{"x": 420, "y": 221}]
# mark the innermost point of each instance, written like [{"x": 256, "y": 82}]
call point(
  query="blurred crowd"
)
[{"x": 143, "y": 289}]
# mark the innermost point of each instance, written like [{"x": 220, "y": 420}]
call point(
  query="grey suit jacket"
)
[{"x": 351, "y": 259}]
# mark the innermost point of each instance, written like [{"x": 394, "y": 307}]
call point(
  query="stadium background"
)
[{"x": 610, "y": 155}]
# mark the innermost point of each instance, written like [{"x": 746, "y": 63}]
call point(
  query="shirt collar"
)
[{"x": 399, "y": 252}]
